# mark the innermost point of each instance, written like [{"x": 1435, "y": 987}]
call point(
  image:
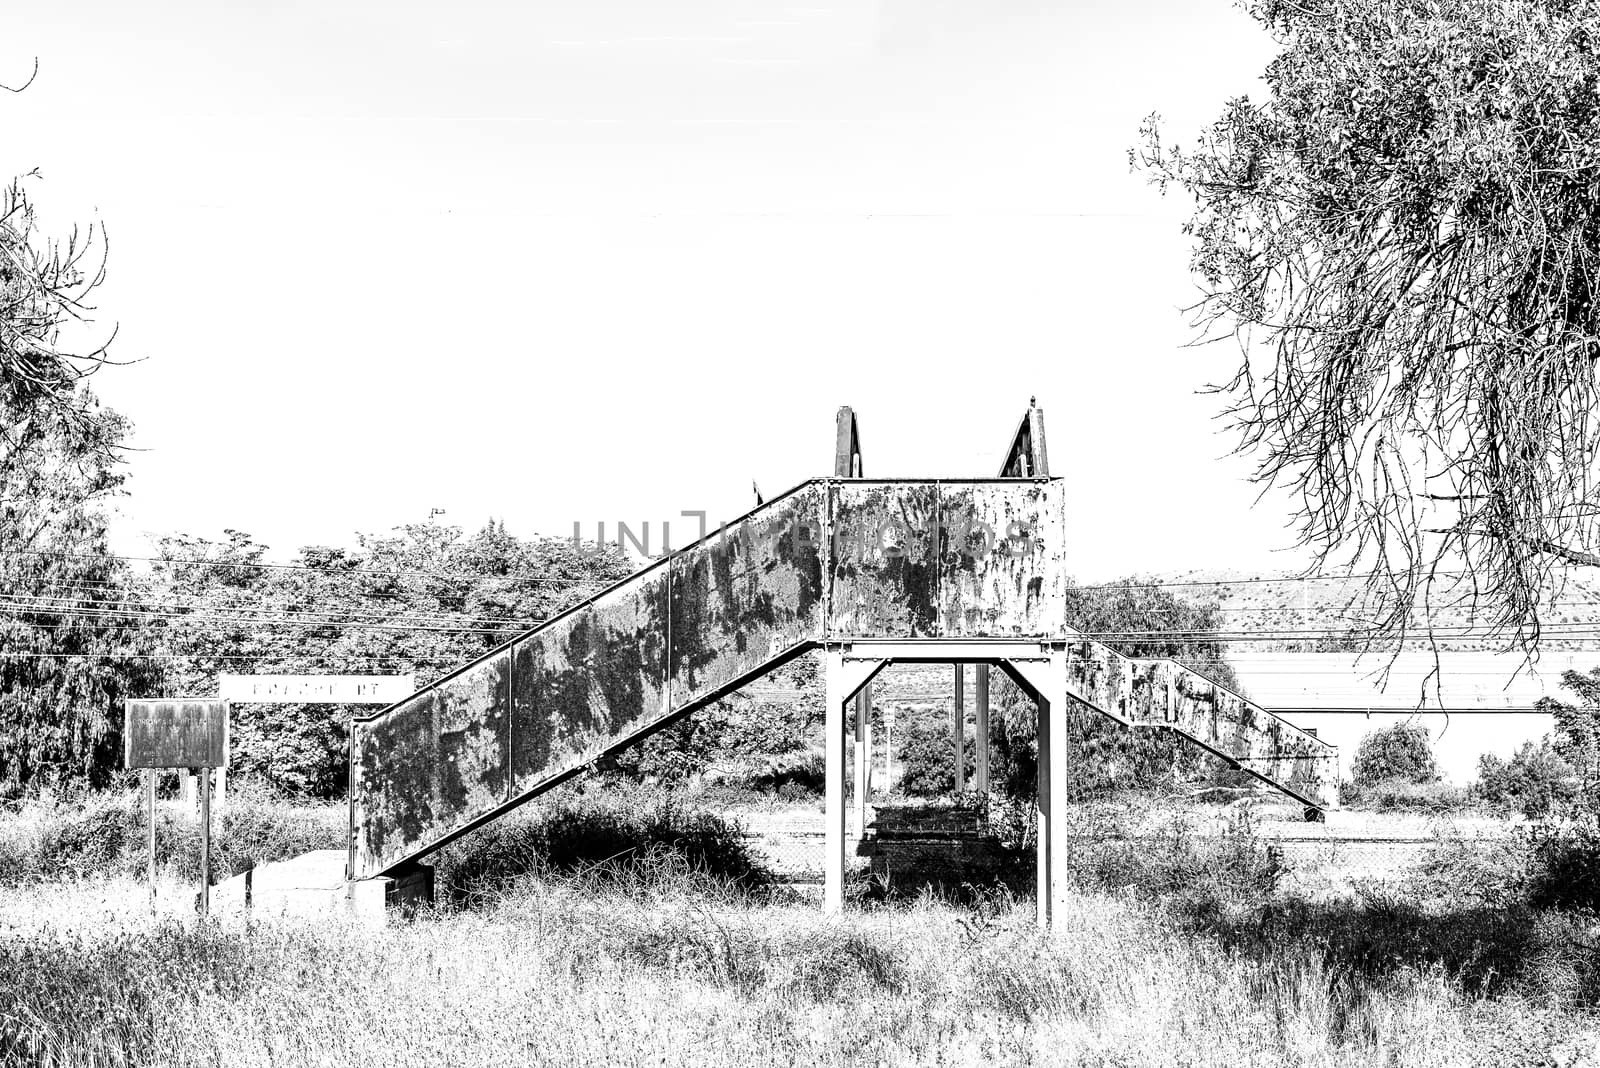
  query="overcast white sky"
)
[{"x": 615, "y": 259}]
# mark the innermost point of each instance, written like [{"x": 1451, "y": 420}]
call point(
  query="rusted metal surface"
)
[
  {"x": 750, "y": 594},
  {"x": 1001, "y": 566},
  {"x": 885, "y": 571},
  {"x": 175, "y": 734},
  {"x": 587, "y": 678},
  {"x": 1162, "y": 693},
  {"x": 427, "y": 760}
]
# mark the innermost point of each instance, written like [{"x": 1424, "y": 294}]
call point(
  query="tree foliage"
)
[
  {"x": 71, "y": 647},
  {"x": 69, "y": 653},
  {"x": 1403, "y": 235},
  {"x": 1401, "y": 753},
  {"x": 47, "y": 349}
]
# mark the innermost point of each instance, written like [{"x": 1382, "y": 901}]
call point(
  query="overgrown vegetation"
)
[
  {"x": 106, "y": 835},
  {"x": 606, "y": 834}
]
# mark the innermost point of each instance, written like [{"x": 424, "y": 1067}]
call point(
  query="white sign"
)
[{"x": 317, "y": 689}]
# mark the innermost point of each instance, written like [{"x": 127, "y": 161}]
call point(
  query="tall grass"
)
[
  {"x": 107, "y": 834},
  {"x": 623, "y": 929},
  {"x": 559, "y": 970}
]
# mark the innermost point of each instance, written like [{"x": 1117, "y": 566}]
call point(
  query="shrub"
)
[
  {"x": 1566, "y": 868},
  {"x": 1401, "y": 753},
  {"x": 927, "y": 756},
  {"x": 108, "y": 834},
  {"x": 1473, "y": 873},
  {"x": 614, "y": 835},
  {"x": 1535, "y": 781},
  {"x": 1397, "y": 795},
  {"x": 1205, "y": 873}
]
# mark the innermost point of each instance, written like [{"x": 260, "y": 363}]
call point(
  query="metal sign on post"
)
[
  {"x": 316, "y": 689},
  {"x": 178, "y": 733}
]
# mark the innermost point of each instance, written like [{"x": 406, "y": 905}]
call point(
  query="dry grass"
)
[
  {"x": 1182, "y": 951},
  {"x": 679, "y": 970}
]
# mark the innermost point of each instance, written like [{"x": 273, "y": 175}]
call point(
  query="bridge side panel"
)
[
  {"x": 588, "y": 678},
  {"x": 432, "y": 761},
  {"x": 748, "y": 595},
  {"x": 1002, "y": 572},
  {"x": 885, "y": 567},
  {"x": 1226, "y": 723}
]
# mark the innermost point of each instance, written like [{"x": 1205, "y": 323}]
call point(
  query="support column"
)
[
  {"x": 1048, "y": 680},
  {"x": 863, "y": 761},
  {"x": 980, "y": 688},
  {"x": 842, "y": 680},
  {"x": 958, "y": 727}
]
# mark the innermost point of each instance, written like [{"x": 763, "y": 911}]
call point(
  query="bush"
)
[
  {"x": 1401, "y": 753},
  {"x": 107, "y": 834},
  {"x": 927, "y": 756},
  {"x": 1204, "y": 873},
  {"x": 1395, "y": 795},
  {"x": 1535, "y": 781},
  {"x": 1566, "y": 869},
  {"x": 614, "y": 835}
]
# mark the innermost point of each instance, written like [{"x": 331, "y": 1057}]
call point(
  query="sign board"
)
[
  {"x": 175, "y": 733},
  {"x": 317, "y": 689}
]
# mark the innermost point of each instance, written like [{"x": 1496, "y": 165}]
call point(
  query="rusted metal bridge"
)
[{"x": 870, "y": 572}]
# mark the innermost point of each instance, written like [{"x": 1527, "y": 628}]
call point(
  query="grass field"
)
[{"x": 1203, "y": 960}]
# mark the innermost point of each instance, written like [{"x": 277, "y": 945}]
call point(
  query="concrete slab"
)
[{"x": 313, "y": 885}]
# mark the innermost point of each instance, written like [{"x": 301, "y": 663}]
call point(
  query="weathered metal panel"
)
[
  {"x": 749, "y": 594},
  {"x": 1228, "y": 724},
  {"x": 1001, "y": 567},
  {"x": 884, "y": 577},
  {"x": 588, "y": 679},
  {"x": 175, "y": 734},
  {"x": 1162, "y": 693},
  {"x": 431, "y": 763},
  {"x": 1104, "y": 679}
]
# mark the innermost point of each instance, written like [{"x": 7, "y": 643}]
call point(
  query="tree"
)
[
  {"x": 46, "y": 348},
  {"x": 1401, "y": 753},
  {"x": 71, "y": 644},
  {"x": 1536, "y": 781},
  {"x": 1576, "y": 738},
  {"x": 1403, "y": 237}
]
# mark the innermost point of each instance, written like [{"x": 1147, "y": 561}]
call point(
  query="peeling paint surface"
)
[
  {"x": 433, "y": 756},
  {"x": 885, "y": 560},
  {"x": 1002, "y": 571},
  {"x": 1162, "y": 693},
  {"x": 752, "y": 593}
]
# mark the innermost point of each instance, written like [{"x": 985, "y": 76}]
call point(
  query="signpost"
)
[
  {"x": 178, "y": 733},
  {"x": 316, "y": 689}
]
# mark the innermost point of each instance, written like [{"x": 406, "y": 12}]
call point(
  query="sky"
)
[
  {"x": 613, "y": 260},
  {"x": 558, "y": 262}
]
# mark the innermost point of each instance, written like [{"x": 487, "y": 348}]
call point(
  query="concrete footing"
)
[{"x": 313, "y": 885}]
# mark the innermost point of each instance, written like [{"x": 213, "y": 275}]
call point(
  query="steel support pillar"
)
[
  {"x": 843, "y": 679},
  {"x": 1048, "y": 682},
  {"x": 958, "y": 726},
  {"x": 863, "y": 761},
  {"x": 980, "y": 741}
]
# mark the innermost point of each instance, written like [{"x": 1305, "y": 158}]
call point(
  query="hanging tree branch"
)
[{"x": 1403, "y": 238}]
